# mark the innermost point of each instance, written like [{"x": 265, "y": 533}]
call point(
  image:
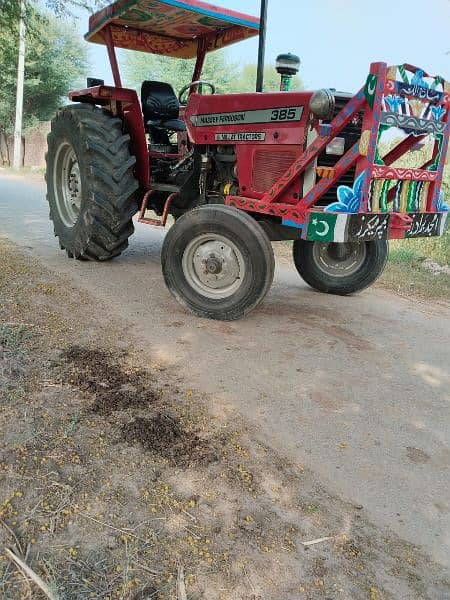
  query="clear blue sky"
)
[{"x": 337, "y": 39}]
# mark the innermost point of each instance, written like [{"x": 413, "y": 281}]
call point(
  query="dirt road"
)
[{"x": 356, "y": 389}]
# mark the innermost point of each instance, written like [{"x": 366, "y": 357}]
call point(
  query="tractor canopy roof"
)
[{"x": 170, "y": 27}]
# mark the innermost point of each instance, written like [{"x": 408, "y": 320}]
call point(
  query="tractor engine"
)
[
  {"x": 340, "y": 145},
  {"x": 223, "y": 176},
  {"x": 204, "y": 175},
  {"x": 174, "y": 171}
]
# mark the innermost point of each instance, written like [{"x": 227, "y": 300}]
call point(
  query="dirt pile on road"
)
[
  {"x": 113, "y": 388},
  {"x": 165, "y": 436}
]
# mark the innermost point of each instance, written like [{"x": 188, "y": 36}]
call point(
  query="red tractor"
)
[{"x": 337, "y": 174}]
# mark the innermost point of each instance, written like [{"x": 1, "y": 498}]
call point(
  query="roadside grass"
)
[
  {"x": 12, "y": 337},
  {"x": 408, "y": 273},
  {"x": 436, "y": 249},
  {"x": 406, "y": 276}
]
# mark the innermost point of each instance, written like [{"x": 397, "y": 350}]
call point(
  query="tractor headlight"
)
[{"x": 322, "y": 104}]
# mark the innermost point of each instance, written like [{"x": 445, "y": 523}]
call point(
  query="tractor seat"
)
[{"x": 160, "y": 107}]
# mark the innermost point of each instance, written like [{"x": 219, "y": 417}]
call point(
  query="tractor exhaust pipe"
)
[{"x": 262, "y": 46}]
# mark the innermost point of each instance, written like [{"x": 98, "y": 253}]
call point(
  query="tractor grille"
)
[
  {"x": 351, "y": 133},
  {"x": 269, "y": 166}
]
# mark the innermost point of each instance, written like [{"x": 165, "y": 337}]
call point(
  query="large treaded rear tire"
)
[
  {"x": 223, "y": 238},
  {"x": 372, "y": 262},
  {"x": 90, "y": 142}
]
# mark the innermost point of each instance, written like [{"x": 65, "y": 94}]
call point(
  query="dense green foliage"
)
[
  {"x": 139, "y": 67},
  {"x": 10, "y": 9},
  {"x": 55, "y": 61},
  {"x": 246, "y": 80},
  {"x": 226, "y": 75}
]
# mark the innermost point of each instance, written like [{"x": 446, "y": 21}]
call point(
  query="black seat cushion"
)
[
  {"x": 160, "y": 106},
  {"x": 171, "y": 124},
  {"x": 175, "y": 125}
]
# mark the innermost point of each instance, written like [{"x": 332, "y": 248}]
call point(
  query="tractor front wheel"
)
[
  {"x": 218, "y": 262},
  {"x": 340, "y": 268},
  {"x": 90, "y": 182}
]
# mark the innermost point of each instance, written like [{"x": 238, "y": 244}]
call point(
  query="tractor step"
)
[{"x": 163, "y": 220}]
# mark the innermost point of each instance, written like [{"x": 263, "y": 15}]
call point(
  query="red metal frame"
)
[
  {"x": 107, "y": 35},
  {"x": 156, "y": 222},
  {"x": 277, "y": 201}
]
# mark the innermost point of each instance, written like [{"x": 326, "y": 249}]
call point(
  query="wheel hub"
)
[
  {"x": 74, "y": 184},
  {"x": 67, "y": 184},
  {"x": 213, "y": 266},
  {"x": 340, "y": 259}
]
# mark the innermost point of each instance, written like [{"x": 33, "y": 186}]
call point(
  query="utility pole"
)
[
  {"x": 262, "y": 46},
  {"x": 17, "y": 160}
]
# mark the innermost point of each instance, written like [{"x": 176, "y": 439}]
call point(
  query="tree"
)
[
  {"x": 246, "y": 80},
  {"x": 10, "y": 9},
  {"x": 226, "y": 75},
  {"x": 139, "y": 67},
  {"x": 47, "y": 80}
]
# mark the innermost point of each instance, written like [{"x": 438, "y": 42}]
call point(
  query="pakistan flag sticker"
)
[{"x": 321, "y": 227}]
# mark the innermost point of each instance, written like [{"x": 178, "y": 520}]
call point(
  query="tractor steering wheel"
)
[{"x": 187, "y": 87}]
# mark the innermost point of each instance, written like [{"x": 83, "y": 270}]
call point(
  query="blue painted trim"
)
[
  {"x": 209, "y": 13},
  {"x": 289, "y": 223}
]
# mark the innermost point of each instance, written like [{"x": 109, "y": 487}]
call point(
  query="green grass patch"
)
[
  {"x": 436, "y": 249},
  {"x": 406, "y": 274},
  {"x": 414, "y": 281}
]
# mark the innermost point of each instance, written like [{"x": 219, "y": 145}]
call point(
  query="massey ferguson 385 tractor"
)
[{"x": 339, "y": 175}]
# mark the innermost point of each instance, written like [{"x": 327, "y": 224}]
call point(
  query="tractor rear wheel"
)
[
  {"x": 340, "y": 268},
  {"x": 218, "y": 262},
  {"x": 90, "y": 182}
]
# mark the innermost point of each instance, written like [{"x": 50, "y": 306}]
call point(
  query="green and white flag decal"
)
[
  {"x": 327, "y": 227},
  {"x": 370, "y": 89}
]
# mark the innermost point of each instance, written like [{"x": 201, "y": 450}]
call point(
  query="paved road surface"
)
[{"x": 357, "y": 389}]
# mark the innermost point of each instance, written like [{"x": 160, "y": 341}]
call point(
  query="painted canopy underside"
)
[{"x": 170, "y": 27}]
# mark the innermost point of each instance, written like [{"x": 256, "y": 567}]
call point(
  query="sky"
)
[{"x": 338, "y": 39}]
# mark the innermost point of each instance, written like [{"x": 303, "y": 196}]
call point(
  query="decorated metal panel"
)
[
  {"x": 332, "y": 227},
  {"x": 170, "y": 27},
  {"x": 397, "y": 162}
]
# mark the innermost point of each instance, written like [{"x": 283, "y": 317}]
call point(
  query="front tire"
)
[
  {"x": 90, "y": 183},
  {"x": 340, "y": 268},
  {"x": 218, "y": 262}
]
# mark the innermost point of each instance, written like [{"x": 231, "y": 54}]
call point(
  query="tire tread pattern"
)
[{"x": 109, "y": 184}]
